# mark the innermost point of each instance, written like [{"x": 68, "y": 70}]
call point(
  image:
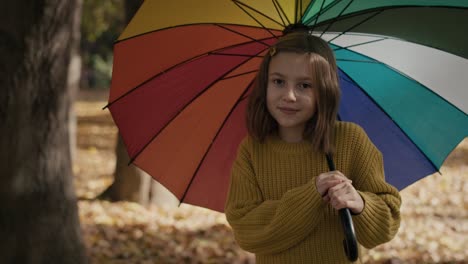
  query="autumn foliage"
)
[{"x": 434, "y": 225}]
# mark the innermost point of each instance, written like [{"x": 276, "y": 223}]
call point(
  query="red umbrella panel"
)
[{"x": 185, "y": 131}]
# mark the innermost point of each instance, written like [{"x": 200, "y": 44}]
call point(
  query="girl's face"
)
[{"x": 291, "y": 95}]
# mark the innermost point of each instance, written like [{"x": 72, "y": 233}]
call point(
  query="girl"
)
[{"x": 283, "y": 203}]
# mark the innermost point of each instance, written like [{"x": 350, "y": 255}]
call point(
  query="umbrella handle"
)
[{"x": 349, "y": 243}]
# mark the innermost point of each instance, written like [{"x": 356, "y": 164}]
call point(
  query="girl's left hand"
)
[{"x": 344, "y": 195}]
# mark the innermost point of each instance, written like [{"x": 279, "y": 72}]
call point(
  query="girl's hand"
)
[
  {"x": 338, "y": 190},
  {"x": 329, "y": 179}
]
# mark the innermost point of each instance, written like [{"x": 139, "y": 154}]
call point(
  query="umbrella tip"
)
[{"x": 296, "y": 27}]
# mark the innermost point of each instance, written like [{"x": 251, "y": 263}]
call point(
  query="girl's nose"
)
[{"x": 289, "y": 94}]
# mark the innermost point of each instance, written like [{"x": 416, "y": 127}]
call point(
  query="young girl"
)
[{"x": 283, "y": 201}]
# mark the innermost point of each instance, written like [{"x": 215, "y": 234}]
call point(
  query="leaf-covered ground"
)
[{"x": 434, "y": 225}]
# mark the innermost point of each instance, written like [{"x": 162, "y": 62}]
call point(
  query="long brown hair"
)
[{"x": 319, "y": 129}]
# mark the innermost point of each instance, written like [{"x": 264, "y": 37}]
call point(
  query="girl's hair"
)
[{"x": 320, "y": 129}]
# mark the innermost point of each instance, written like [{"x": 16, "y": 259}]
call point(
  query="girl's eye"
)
[
  {"x": 278, "y": 82},
  {"x": 305, "y": 85}
]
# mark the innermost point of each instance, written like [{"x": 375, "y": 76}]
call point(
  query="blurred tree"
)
[
  {"x": 38, "y": 212},
  {"x": 74, "y": 78},
  {"x": 131, "y": 183},
  {"x": 102, "y": 22}
]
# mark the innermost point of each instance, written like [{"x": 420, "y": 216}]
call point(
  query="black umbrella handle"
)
[{"x": 349, "y": 243}]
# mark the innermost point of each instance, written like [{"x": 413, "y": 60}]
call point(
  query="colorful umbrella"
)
[{"x": 183, "y": 70}]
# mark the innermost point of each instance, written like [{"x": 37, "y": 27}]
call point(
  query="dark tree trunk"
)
[
  {"x": 38, "y": 212},
  {"x": 128, "y": 179},
  {"x": 132, "y": 184}
]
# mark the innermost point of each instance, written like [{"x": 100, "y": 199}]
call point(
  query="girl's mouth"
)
[{"x": 288, "y": 111}]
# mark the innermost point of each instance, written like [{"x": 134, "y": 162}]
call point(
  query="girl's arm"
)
[
  {"x": 269, "y": 226},
  {"x": 380, "y": 219}
]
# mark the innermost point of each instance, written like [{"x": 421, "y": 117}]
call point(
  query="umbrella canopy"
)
[{"x": 183, "y": 71}]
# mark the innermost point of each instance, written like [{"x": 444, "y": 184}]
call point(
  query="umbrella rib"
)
[
  {"x": 377, "y": 62},
  {"x": 336, "y": 18},
  {"x": 188, "y": 103},
  {"x": 173, "y": 67},
  {"x": 245, "y": 96},
  {"x": 300, "y": 9},
  {"x": 278, "y": 9},
  {"x": 360, "y": 44},
  {"x": 258, "y": 12},
  {"x": 321, "y": 11},
  {"x": 358, "y": 24},
  {"x": 295, "y": 10},
  {"x": 243, "y": 35},
  {"x": 392, "y": 120},
  {"x": 311, "y": 3},
  {"x": 240, "y": 74},
  {"x": 234, "y": 54},
  {"x": 238, "y": 3},
  {"x": 338, "y": 117},
  {"x": 240, "y": 99}
]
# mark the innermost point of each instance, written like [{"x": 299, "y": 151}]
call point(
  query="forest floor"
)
[{"x": 434, "y": 227}]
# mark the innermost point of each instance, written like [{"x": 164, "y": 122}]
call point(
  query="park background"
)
[
  {"x": 126, "y": 217},
  {"x": 434, "y": 212}
]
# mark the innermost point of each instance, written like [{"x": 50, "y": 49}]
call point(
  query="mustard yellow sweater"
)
[{"x": 276, "y": 212}]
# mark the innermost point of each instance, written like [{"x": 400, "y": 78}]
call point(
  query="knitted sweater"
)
[{"x": 276, "y": 212}]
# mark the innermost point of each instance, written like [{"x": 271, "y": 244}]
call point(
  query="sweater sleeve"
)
[
  {"x": 380, "y": 219},
  {"x": 268, "y": 226}
]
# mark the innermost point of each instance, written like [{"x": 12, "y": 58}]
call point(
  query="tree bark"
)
[
  {"x": 128, "y": 179},
  {"x": 74, "y": 77},
  {"x": 38, "y": 211},
  {"x": 132, "y": 184}
]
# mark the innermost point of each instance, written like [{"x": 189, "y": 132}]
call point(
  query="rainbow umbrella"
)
[{"x": 183, "y": 70}]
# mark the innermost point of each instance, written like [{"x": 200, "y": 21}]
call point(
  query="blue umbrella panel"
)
[{"x": 414, "y": 127}]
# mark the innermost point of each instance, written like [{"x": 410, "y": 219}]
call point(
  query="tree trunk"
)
[
  {"x": 131, "y": 183},
  {"x": 128, "y": 179},
  {"x": 38, "y": 212},
  {"x": 74, "y": 77}
]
